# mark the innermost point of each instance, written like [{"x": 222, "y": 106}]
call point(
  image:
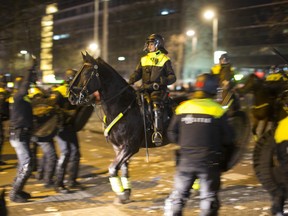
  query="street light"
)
[
  {"x": 211, "y": 15},
  {"x": 94, "y": 49},
  {"x": 191, "y": 33},
  {"x": 26, "y": 56}
]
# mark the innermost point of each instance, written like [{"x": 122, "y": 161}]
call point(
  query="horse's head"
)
[
  {"x": 85, "y": 82},
  {"x": 252, "y": 83}
]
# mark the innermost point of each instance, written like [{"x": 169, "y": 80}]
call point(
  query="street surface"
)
[{"x": 241, "y": 193}]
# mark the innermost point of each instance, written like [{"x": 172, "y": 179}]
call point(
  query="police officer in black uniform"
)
[
  {"x": 155, "y": 70},
  {"x": 67, "y": 138},
  {"x": 21, "y": 124},
  {"x": 201, "y": 128}
]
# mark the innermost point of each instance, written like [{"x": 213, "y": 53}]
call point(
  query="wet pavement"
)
[{"x": 151, "y": 181}]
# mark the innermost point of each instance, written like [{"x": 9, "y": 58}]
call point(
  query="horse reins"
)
[{"x": 84, "y": 91}]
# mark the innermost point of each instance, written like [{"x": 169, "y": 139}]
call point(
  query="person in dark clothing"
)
[
  {"x": 4, "y": 113},
  {"x": 67, "y": 138},
  {"x": 21, "y": 125},
  {"x": 47, "y": 166},
  {"x": 278, "y": 196},
  {"x": 200, "y": 127},
  {"x": 155, "y": 70}
]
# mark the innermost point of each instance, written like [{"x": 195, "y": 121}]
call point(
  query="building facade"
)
[{"x": 246, "y": 30}]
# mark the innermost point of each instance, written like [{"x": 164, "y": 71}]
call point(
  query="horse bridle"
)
[{"x": 84, "y": 90}]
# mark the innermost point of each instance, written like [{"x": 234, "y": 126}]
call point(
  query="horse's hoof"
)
[
  {"x": 127, "y": 193},
  {"x": 122, "y": 199}
]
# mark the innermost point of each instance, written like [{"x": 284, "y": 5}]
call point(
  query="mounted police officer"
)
[
  {"x": 276, "y": 81},
  {"x": 225, "y": 73},
  {"x": 21, "y": 124},
  {"x": 67, "y": 138},
  {"x": 155, "y": 70},
  {"x": 200, "y": 127}
]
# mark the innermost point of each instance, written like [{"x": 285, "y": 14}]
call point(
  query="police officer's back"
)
[
  {"x": 200, "y": 127},
  {"x": 21, "y": 125}
]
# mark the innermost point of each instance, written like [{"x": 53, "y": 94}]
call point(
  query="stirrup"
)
[{"x": 157, "y": 138}]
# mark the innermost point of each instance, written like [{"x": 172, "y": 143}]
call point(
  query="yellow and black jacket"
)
[
  {"x": 276, "y": 83},
  {"x": 201, "y": 129},
  {"x": 224, "y": 72},
  {"x": 59, "y": 96},
  {"x": 155, "y": 67}
]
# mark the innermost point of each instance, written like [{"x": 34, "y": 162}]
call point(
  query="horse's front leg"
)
[
  {"x": 120, "y": 185},
  {"x": 125, "y": 180}
]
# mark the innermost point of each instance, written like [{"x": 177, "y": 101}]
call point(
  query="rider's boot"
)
[{"x": 157, "y": 138}]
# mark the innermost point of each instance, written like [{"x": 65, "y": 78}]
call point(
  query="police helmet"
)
[
  {"x": 158, "y": 41},
  {"x": 70, "y": 74},
  {"x": 207, "y": 83},
  {"x": 224, "y": 59},
  {"x": 34, "y": 91}
]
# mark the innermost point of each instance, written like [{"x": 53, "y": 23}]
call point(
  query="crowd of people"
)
[
  {"x": 199, "y": 126},
  {"x": 25, "y": 102}
]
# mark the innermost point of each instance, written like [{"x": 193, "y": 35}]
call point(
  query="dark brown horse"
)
[{"x": 263, "y": 103}]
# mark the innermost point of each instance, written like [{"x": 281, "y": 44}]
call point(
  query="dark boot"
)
[
  {"x": 60, "y": 174},
  {"x": 17, "y": 194},
  {"x": 73, "y": 174},
  {"x": 62, "y": 189},
  {"x": 157, "y": 135},
  {"x": 278, "y": 202},
  {"x": 25, "y": 194}
]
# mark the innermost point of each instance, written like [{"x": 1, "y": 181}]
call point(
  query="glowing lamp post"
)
[
  {"x": 210, "y": 15},
  {"x": 191, "y": 33}
]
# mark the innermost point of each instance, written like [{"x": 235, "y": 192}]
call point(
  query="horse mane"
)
[{"x": 101, "y": 62}]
